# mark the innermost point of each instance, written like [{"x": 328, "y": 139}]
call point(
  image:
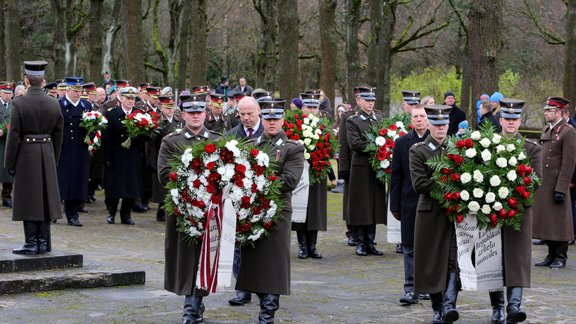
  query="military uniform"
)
[
  {"x": 32, "y": 152},
  {"x": 553, "y": 218},
  {"x": 5, "y": 177},
  {"x": 220, "y": 124},
  {"x": 344, "y": 157}
]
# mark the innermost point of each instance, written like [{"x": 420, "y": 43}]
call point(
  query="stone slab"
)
[{"x": 10, "y": 262}]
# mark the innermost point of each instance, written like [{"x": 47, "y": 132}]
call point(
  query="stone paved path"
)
[{"x": 340, "y": 288}]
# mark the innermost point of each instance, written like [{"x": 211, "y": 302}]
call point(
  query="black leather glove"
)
[
  {"x": 12, "y": 172},
  {"x": 343, "y": 175},
  {"x": 559, "y": 197}
]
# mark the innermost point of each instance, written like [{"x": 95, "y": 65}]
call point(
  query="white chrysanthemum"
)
[
  {"x": 175, "y": 195},
  {"x": 495, "y": 181},
  {"x": 477, "y": 192},
  {"x": 470, "y": 153},
  {"x": 486, "y": 155},
  {"x": 486, "y": 209},
  {"x": 510, "y": 147},
  {"x": 399, "y": 124},
  {"x": 391, "y": 133},
  {"x": 262, "y": 159},
  {"x": 500, "y": 148},
  {"x": 306, "y": 120},
  {"x": 307, "y": 133},
  {"x": 475, "y": 135},
  {"x": 497, "y": 206},
  {"x": 384, "y": 164},
  {"x": 465, "y": 177},
  {"x": 478, "y": 176},
  {"x": 503, "y": 192},
  {"x": 380, "y": 141},
  {"x": 490, "y": 197},
  {"x": 464, "y": 195},
  {"x": 473, "y": 206},
  {"x": 511, "y": 175},
  {"x": 307, "y": 141},
  {"x": 187, "y": 157},
  {"x": 501, "y": 162},
  {"x": 513, "y": 161},
  {"x": 496, "y": 139},
  {"x": 521, "y": 156},
  {"x": 256, "y": 236},
  {"x": 306, "y": 155},
  {"x": 485, "y": 142}
]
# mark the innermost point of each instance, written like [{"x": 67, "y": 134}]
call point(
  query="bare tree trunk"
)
[
  {"x": 198, "y": 53},
  {"x": 266, "y": 62},
  {"x": 95, "y": 41},
  {"x": 183, "y": 46},
  {"x": 484, "y": 46},
  {"x": 383, "y": 67},
  {"x": 465, "y": 95},
  {"x": 110, "y": 37},
  {"x": 328, "y": 44},
  {"x": 59, "y": 35},
  {"x": 569, "y": 50},
  {"x": 374, "y": 50},
  {"x": 288, "y": 22},
  {"x": 175, "y": 7},
  {"x": 352, "y": 21},
  {"x": 132, "y": 38},
  {"x": 157, "y": 46},
  {"x": 12, "y": 42},
  {"x": 2, "y": 48}
]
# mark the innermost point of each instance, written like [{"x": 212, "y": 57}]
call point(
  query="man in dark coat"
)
[
  {"x": 367, "y": 197},
  {"x": 32, "y": 153},
  {"x": 316, "y": 211},
  {"x": 6, "y": 178},
  {"x": 250, "y": 127},
  {"x": 516, "y": 245},
  {"x": 403, "y": 198},
  {"x": 243, "y": 87},
  {"x": 553, "y": 212},
  {"x": 181, "y": 258},
  {"x": 265, "y": 268},
  {"x": 435, "y": 252},
  {"x": 456, "y": 115},
  {"x": 123, "y": 165},
  {"x": 74, "y": 160}
]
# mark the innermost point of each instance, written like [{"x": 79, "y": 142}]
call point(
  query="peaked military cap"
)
[
  {"x": 193, "y": 102},
  {"x": 75, "y": 83},
  {"x": 366, "y": 93},
  {"x": 122, "y": 83},
  {"x": 51, "y": 87},
  {"x": 511, "y": 108},
  {"x": 6, "y": 87},
  {"x": 90, "y": 87},
  {"x": 556, "y": 103},
  {"x": 152, "y": 91},
  {"x": 411, "y": 97},
  {"x": 35, "y": 68},
  {"x": 236, "y": 95},
  {"x": 201, "y": 89},
  {"x": 438, "y": 114},
  {"x": 129, "y": 92},
  {"x": 310, "y": 99},
  {"x": 167, "y": 101},
  {"x": 272, "y": 108},
  {"x": 261, "y": 94}
]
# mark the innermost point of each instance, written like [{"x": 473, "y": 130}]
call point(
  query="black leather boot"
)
[
  {"x": 497, "y": 302},
  {"x": 44, "y": 237},
  {"x": 241, "y": 298},
  {"x": 515, "y": 314},
  {"x": 161, "y": 214},
  {"x": 436, "y": 300},
  {"x": 193, "y": 310},
  {"x": 30, "y": 238},
  {"x": 449, "y": 312},
  {"x": 269, "y": 304},
  {"x": 312, "y": 237},
  {"x": 302, "y": 246}
]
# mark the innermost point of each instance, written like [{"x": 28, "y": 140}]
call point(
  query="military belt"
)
[{"x": 37, "y": 139}]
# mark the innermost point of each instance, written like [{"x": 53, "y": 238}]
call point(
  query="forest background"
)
[{"x": 522, "y": 48}]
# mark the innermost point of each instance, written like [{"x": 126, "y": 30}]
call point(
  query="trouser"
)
[
  {"x": 71, "y": 208},
  {"x": 408, "y": 251},
  {"x": 93, "y": 184},
  {"x": 6, "y": 190},
  {"x": 453, "y": 252},
  {"x": 125, "y": 208},
  {"x": 574, "y": 217},
  {"x": 365, "y": 233},
  {"x": 557, "y": 250},
  {"x": 237, "y": 259}
]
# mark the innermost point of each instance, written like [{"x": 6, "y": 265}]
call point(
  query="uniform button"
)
[
  {"x": 546, "y": 165},
  {"x": 71, "y": 124},
  {"x": 548, "y": 158},
  {"x": 71, "y": 131},
  {"x": 72, "y": 137}
]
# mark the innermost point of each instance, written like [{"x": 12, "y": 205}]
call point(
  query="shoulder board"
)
[
  {"x": 291, "y": 141},
  {"x": 531, "y": 141},
  {"x": 111, "y": 108},
  {"x": 258, "y": 140},
  {"x": 417, "y": 144}
]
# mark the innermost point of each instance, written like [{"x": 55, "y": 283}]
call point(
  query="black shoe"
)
[
  {"x": 409, "y": 298},
  {"x": 399, "y": 249},
  {"x": 161, "y": 215},
  {"x": 545, "y": 263},
  {"x": 7, "y": 203},
  {"x": 138, "y": 209},
  {"x": 370, "y": 249},
  {"x": 352, "y": 241},
  {"x": 27, "y": 249},
  {"x": 558, "y": 264},
  {"x": 313, "y": 252},
  {"x": 361, "y": 250},
  {"x": 241, "y": 298},
  {"x": 145, "y": 207},
  {"x": 74, "y": 222},
  {"x": 128, "y": 221},
  {"x": 538, "y": 242},
  {"x": 83, "y": 210},
  {"x": 110, "y": 219},
  {"x": 92, "y": 198}
]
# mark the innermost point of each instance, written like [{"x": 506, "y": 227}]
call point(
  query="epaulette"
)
[
  {"x": 415, "y": 145},
  {"x": 531, "y": 141},
  {"x": 293, "y": 142},
  {"x": 111, "y": 108},
  {"x": 215, "y": 132}
]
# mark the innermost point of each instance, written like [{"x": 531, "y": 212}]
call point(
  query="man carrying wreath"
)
[
  {"x": 435, "y": 251},
  {"x": 181, "y": 265}
]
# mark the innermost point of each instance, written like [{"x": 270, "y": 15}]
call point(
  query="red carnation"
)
[
  {"x": 240, "y": 168},
  {"x": 527, "y": 180},
  {"x": 291, "y": 125},
  {"x": 383, "y": 132},
  {"x": 273, "y": 177},
  {"x": 460, "y": 144},
  {"x": 512, "y": 202},
  {"x": 173, "y": 176},
  {"x": 296, "y": 137},
  {"x": 468, "y": 142},
  {"x": 211, "y": 165},
  {"x": 445, "y": 171},
  {"x": 209, "y": 148},
  {"x": 393, "y": 127},
  {"x": 459, "y": 218},
  {"x": 254, "y": 152},
  {"x": 458, "y": 159},
  {"x": 511, "y": 213},
  {"x": 196, "y": 183},
  {"x": 502, "y": 213},
  {"x": 455, "y": 177}
]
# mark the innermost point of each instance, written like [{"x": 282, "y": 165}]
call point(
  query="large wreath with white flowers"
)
[
  {"x": 199, "y": 176},
  {"x": 485, "y": 174}
]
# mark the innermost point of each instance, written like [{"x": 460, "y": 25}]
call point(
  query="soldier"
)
[
  {"x": 89, "y": 88},
  {"x": 516, "y": 245},
  {"x": 553, "y": 213},
  {"x": 435, "y": 263},
  {"x": 5, "y": 111},
  {"x": 169, "y": 122},
  {"x": 35, "y": 135},
  {"x": 61, "y": 88},
  {"x": 403, "y": 198},
  {"x": 411, "y": 100},
  {"x": 114, "y": 94},
  {"x": 215, "y": 119},
  {"x": 74, "y": 161},
  {"x": 316, "y": 212},
  {"x": 250, "y": 127},
  {"x": 232, "y": 107},
  {"x": 123, "y": 165},
  {"x": 367, "y": 197},
  {"x": 181, "y": 258},
  {"x": 265, "y": 268},
  {"x": 51, "y": 89}
]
